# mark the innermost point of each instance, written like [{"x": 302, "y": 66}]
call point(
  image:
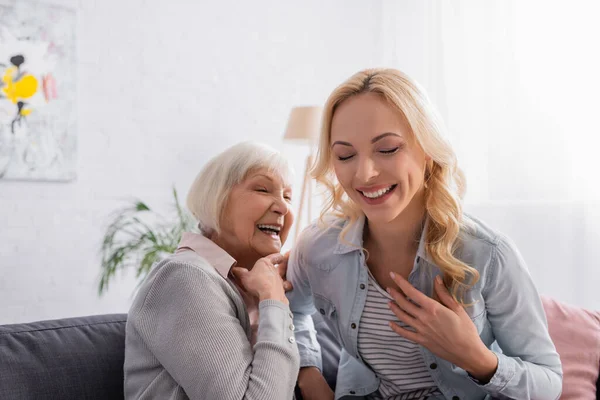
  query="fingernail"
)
[
  {"x": 393, "y": 275},
  {"x": 388, "y": 290},
  {"x": 438, "y": 279}
]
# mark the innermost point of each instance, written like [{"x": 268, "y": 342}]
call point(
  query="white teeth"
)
[
  {"x": 377, "y": 193},
  {"x": 271, "y": 227}
]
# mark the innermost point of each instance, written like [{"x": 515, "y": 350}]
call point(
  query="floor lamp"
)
[{"x": 304, "y": 125}]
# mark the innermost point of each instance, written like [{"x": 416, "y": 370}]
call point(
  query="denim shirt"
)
[{"x": 330, "y": 275}]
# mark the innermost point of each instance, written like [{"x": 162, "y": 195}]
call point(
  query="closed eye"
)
[
  {"x": 262, "y": 190},
  {"x": 389, "y": 151},
  {"x": 345, "y": 158}
]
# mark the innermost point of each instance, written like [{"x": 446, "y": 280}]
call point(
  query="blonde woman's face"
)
[
  {"x": 377, "y": 162},
  {"x": 257, "y": 217}
]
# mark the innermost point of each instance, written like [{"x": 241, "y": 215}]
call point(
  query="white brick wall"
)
[{"x": 162, "y": 87}]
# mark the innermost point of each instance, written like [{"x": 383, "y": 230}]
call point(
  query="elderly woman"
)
[{"x": 212, "y": 321}]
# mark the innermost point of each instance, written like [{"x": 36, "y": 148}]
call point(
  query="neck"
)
[
  {"x": 400, "y": 235},
  {"x": 243, "y": 259}
]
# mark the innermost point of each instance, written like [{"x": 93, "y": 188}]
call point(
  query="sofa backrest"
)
[
  {"x": 74, "y": 358},
  {"x": 82, "y": 358},
  {"x": 576, "y": 334}
]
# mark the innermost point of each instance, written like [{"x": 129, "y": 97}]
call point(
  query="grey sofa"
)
[
  {"x": 73, "y": 358},
  {"x": 81, "y": 358}
]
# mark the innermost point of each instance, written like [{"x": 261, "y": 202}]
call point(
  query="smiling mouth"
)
[
  {"x": 377, "y": 193},
  {"x": 271, "y": 230}
]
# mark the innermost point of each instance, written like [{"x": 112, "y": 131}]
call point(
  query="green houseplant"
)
[{"x": 137, "y": 237}]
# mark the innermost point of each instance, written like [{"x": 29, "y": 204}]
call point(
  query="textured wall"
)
[{"x": 163, "y": 86}]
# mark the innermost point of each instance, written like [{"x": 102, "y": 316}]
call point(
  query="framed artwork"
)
[{"x": 38, "y": 137}]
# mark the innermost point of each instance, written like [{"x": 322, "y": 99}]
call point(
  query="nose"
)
[
  {"x": 281, "y": 206},
  {"x": 366, "y": 170}
]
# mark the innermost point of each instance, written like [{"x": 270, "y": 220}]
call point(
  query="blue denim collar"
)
[{"x": 353, "y": 240}]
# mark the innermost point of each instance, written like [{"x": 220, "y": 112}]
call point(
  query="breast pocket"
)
[
  {"x": 325, "y": 307},
  {"x": 328, "y": 314},
  {"x": 476, "y": 312},
  {"x": 478, "y": 315}
]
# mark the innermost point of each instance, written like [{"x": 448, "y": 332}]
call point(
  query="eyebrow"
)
[
  {"x": 263, "y": 176},
  {"x": 375, "y": 139},
  {"x": 285, "y": 185}
]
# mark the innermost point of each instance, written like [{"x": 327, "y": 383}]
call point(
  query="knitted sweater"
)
[{"x": 187, "y": 336}]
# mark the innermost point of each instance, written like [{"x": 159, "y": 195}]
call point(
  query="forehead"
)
[
  {"x": 366, "y": 116},
  {"x": 268, "y": 175}
]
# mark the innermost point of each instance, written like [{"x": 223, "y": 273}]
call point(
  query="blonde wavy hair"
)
[{"x": 444, "y": 181}]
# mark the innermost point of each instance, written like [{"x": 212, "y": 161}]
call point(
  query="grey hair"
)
[{"x": 210, "y": 190}]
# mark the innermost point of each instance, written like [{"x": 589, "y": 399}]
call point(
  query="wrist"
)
[
  {"x": 308, "y": 374},
  {"x": 274, "y": 295},
  {"x": 483, "y": 366},
  {"x": 309, "y": 370}
]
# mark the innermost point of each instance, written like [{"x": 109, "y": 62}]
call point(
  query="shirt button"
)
[
  {"x": 291, "y": 315},
  {"x": 322, "y": 311},
  {"x": 292, "y": 327},
  {"x": 433, "y": 365},
  {"x": 362, "y": 286},
  {"x": 353, "y": 326},
  {"x": 291, "y": 339}
]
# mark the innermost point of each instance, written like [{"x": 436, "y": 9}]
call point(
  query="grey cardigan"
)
[{"x": 187, "y": 336}]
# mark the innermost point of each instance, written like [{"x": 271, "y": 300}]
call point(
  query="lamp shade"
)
[{"x": 304, "y": 124}]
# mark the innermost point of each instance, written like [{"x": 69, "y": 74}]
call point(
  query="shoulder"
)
[
  {"x": 320, "y": 238},
  {"x": 477, "y": 233},
  {"x": 181, "y": 279},
  {"x": 188, "y": 264},
  {"x": 486, "y": 249},
  {"x": 327, "y": 230}
]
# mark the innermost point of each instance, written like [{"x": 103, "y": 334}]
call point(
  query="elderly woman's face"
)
[{"x": 258, "y": 214}]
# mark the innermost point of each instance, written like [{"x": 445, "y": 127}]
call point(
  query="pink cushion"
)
[{"x": 576, "y": 335}]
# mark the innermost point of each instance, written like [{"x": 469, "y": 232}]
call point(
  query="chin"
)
[
  {"x": 381, "y": 217},
  {"x": 384, "y": 215},
  {"x": 264, "y": 251}
]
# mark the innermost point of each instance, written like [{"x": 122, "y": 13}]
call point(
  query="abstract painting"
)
[{"x": 37, "y": 92}]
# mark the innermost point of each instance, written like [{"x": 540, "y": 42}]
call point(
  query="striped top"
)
[{"x": 395, "y": 360}]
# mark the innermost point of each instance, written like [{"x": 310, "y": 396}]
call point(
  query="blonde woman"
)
[
  {"x": 427, "y": 301},
  {"x": 212, "y": 321}
]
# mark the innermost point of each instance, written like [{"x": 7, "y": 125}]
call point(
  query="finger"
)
[
  {"x": 404, "y": 303},
  {"x": 403, "y": 315},
  {"x": 287, "y": 286},
  {"x": 283, "y": 264},
  {"x": 411, "y": 292},
  {"x": 282, "y": 267},
  {"x": 275, "y": 258},
  {"x": 413, "y": 336},
  {"x": 435, "y": 296},
  {"x": 239, "y": 272},
  {"x": 445, "y": 296}
]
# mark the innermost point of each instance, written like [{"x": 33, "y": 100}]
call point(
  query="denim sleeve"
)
[
  {"x": 302, "y": 307},
  {"x": 529, "y": 366}
]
